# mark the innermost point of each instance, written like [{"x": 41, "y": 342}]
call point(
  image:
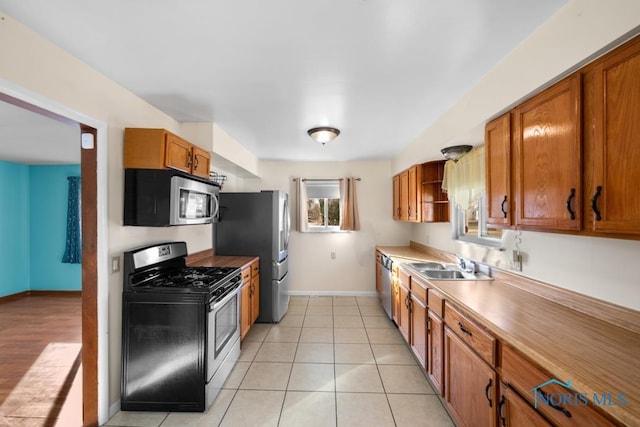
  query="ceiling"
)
[{"x": 266, "y": 71}]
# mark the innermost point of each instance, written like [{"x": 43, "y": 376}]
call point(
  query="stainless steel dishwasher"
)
[{"x": 387, "y": 264}]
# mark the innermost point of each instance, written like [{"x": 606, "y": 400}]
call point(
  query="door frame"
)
[{"x": 95, "y": 353}]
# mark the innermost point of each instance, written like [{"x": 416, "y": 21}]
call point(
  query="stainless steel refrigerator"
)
[{"x": 258, "y": 224}]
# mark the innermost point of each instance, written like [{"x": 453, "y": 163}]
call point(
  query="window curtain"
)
[
  {"x": 349, "y": 217},
  {"x": 73, "y": 250},
  {"x": 464, "y": 180},
  {"x": 301, "y": 206}
]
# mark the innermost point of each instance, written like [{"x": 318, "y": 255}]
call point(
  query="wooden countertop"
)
[
  {"x": 596, "y": 355},
  {"x": 208, "y": 259}
]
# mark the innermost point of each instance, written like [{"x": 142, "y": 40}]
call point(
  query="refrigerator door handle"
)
[{"x": 287, "y": 223}]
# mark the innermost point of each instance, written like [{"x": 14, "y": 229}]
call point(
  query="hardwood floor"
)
[{"x": 28, "y": 324}]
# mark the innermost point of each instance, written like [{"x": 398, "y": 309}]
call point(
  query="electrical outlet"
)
[
  {"x": 333, "y": 255},
  {"x": 115, "y": 264}
]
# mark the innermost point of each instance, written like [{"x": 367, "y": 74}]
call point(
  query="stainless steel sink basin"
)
[
  {"x": 427, "y": 266},
  {"x": 443, "y": 271},
  {"x": 443, "y": 274}
]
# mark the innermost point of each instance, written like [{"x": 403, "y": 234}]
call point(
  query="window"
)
[
  {"x": 470, "y": 224},
  {"x": 323, "y": 205},
  {"x": 464, "y": 183}
]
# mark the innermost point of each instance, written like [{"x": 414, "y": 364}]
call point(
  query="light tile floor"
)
[{"x": 331, "y": 361}]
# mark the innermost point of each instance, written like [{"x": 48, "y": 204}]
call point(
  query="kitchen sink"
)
[
  {"x": 427, "y": 266},
  {"x": 443, "y": 274},
  {"x": 443, "y": 271}
]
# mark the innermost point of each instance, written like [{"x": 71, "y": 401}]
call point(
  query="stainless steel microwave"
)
[{"x": 161, "y": 198}]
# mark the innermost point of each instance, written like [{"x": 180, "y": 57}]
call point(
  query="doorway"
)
[{"x": 88, "y": 145}]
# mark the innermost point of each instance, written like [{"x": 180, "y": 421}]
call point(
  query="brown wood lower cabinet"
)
[
  {"x": 249, "y": 297},
  {"x": 470, "y": 384},
  {"x": 435, "y": 331},
  {"x": 245, "y": 309},
  {"x": 514, "y": 411},
  {"x": 404, "y": 315},
  {"x": 418, "y": 323},
  {"x": 525, "y": 377}
]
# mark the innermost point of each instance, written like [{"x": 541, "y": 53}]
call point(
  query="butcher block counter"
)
[
  {"x": 596, "y": 353},
  {"x": 206, "y": 258}
]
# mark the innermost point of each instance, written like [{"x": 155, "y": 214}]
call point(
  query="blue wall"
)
[
  {"x": 14, "y": 228},
  {"x": 33, "y": 221},
  {"x": 48, "y": 192}
]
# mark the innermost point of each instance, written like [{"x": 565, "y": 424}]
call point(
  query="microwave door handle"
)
[{"x": 214, "y": 200}]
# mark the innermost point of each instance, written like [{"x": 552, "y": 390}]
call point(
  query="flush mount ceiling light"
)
[
  {"x": 323, "y": 134},
  {"x": 455, "y": 152}
]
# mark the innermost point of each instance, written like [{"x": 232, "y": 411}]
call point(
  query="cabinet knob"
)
[
  {"x": 503, "y": 420},
  {"x": 503, "y": 207},
  {"x": 594, "y": 203},
  {"x": 486, "y": 392},
  {"x": 572, "y": 195}
]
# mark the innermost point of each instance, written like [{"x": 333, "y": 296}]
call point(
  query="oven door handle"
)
[{"x": 217, "y": 304}]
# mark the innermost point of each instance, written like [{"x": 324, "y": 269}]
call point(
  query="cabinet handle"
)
[
  {"x": 428, "y": 325},
  {"x": 409, "y": 212},
  {"x": 195, "y": 159},
  {"x": 398, "y": 212},
  {"x": 572, "y": 194},
  {"x": 486, "y": 392},
  {"x": 594, "y": 203},
  {"x": 562, "y": 409},
  {"x": 500, "y": 405},
  {"x": 189, "y": 160},
  {"x": 502, "y": 206},
  {"x": 463, "y": 329}
]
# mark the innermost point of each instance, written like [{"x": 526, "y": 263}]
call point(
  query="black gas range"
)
[{"x": 180, "y": 329}]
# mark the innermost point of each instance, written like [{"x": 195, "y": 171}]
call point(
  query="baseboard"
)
[
  {"x": 334, "y": 293},
  {"x": 19, "y": 295},
  {"x": 114, "y": 409}
]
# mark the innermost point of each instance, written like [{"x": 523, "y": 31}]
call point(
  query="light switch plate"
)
[{"x": 115, "y": 264}]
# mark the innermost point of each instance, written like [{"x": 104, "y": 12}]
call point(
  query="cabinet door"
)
[
  {"x": 396, "y": 197},
  {"x": 404, "y": 196},
  {"x": 434, "y": 350},
  {"x": 414, "y": 193},
  {"x": 418, "y": 322},
  {"x": 615, "y": 203},
  {"x": 178, "y": 154},
  {"x": 497, "y": 138},
  {"x": 395, "y": 301},
  {"x": 470, "y": 384},
  {"x": 201, "y": 161},
  {"x": 245, "y": 309},
  {"x": 255, "y": 297},
  {"x": 379, "y": 279},
  {"x": 514, "y": 411},
  {"x": 403, "y": 326},
  {"x": 548, "y": 159}
]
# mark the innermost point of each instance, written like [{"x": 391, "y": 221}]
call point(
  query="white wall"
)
[
  {"x": 599, "y": 267},
  {"x": 353, "y": 270}
]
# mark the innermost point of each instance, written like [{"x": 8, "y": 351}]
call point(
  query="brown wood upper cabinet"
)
[
  {"x": 547, "y": 159},
  {"x": 497, "y": 138},
  {"x": 533, "y": 158},
  {"x": 612, "y": 129},
  {"x": 161, "y": 149},
  {"x": 418, "y": 196}
]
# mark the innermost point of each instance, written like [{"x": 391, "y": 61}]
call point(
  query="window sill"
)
[{"x": 486, "y": 242}]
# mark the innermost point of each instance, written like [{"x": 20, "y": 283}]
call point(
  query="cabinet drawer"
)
[
  {"x": 479, "y": 340},
  {"x": 419, "y": 289},
  {"x": 524, "y": 377},
  {"x": 436, "y": 303},
  {"x": 246, "y": 275},
  {"x": 255, "y": 268}
]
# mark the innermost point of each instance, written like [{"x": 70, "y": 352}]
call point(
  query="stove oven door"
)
[{"x": 223, "y": 330}]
